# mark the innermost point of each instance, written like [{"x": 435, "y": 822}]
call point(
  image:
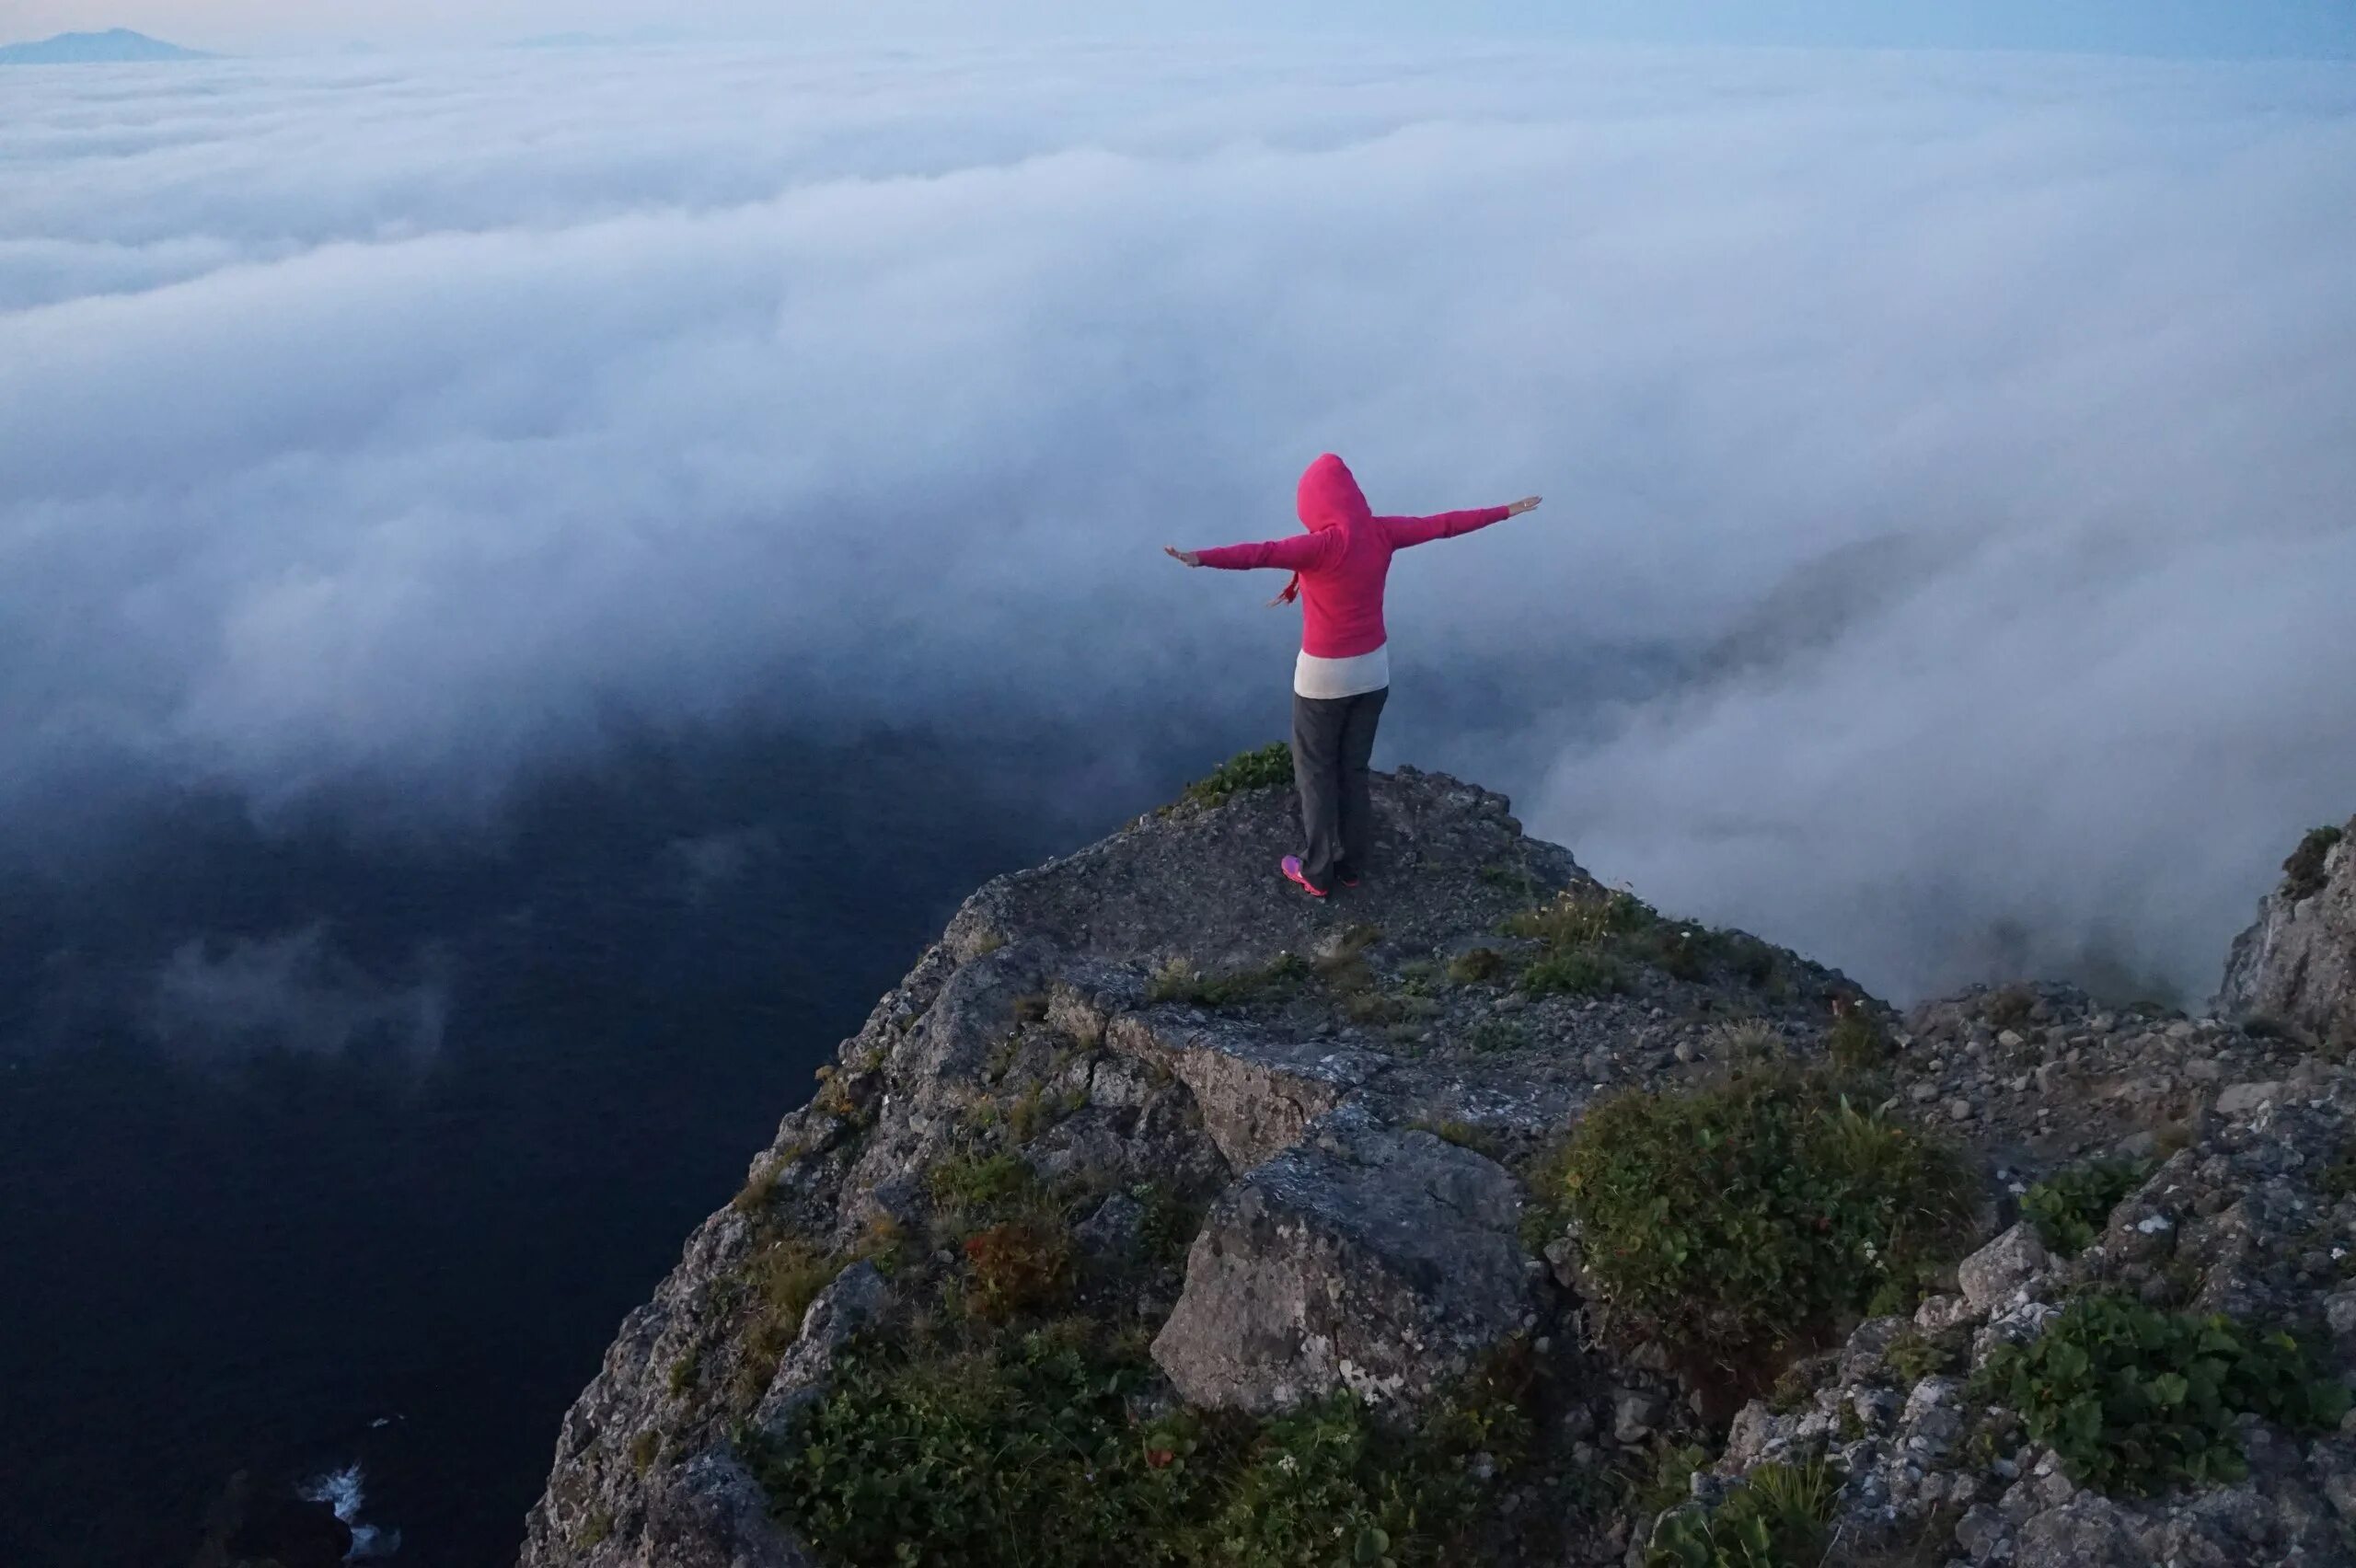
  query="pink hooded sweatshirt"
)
[{"x": 1340, "y": 565}]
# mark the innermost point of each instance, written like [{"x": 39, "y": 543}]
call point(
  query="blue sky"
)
[{"x": 2183, "y": 27}]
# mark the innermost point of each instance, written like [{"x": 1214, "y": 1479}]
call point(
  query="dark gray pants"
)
[{"x": 1333, "y": 742}]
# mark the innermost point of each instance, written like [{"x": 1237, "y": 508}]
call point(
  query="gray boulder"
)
[
  {"x": 1989, "y": 1276},
  {"x": 1366, "y": 1258}
]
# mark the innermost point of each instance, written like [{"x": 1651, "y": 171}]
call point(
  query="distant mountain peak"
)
[{"x": 115, "y": 46}]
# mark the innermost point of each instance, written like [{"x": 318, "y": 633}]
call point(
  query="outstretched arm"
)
[
  {"x": 1406, "y": 531},
  {"x": 1302, "y": 552}
]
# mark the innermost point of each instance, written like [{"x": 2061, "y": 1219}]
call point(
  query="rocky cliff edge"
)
[{"x": 1160, "y": 1215}]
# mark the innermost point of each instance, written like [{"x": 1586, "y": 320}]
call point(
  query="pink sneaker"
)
[{"x": 1292, "y": 865}]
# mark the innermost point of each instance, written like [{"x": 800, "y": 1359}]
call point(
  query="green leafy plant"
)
[
  {"x": 2071, "y": 1208},
  {"x": 1776, "y": 1517},
  {"x": 1269, "y": 767},
  {"x": 1739, "y": 1214},
  {"x": 1038, "y": 1450},
  {"x": 1316, "y": 1490},
  {"x": 2136, "y": 1401},
  {"x": 2303, "y": 873},
  {"x": 1576, "y": 973},
  {"x": 1019, "y": 1453}
]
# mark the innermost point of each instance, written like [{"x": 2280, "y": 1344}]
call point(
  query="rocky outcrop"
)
[
  {"x": 1366, "y": 1258},
  {"x": 1285, "y": 1151},
  {"x": 1284, "y": 1136},
  {"x": 2295, "y": 967},
  {"x": 2255, "y": 1217}
]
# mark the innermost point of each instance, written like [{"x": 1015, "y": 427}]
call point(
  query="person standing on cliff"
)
[{"x": 1343, "y": 676}]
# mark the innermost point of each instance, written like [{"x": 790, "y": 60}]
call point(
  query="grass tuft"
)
[{"x": 1268, "y": 768}]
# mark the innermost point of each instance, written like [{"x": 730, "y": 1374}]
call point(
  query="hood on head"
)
[{"x": 1329, "y": 495}]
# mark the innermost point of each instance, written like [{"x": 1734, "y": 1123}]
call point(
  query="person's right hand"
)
[
  {"x": 1184, "y": 557},
  {"x": 1525, "y": 503}
]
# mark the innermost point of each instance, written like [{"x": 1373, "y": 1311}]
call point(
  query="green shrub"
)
[
  {"x": 2303, "y": 873},
  {"x": 1476, "y": 966},
  {"x": 1034, "y": 1452},
  {"x": 1497, "y": 1035},
  {"x": 1777, "y": 1518},
  {"x": 2071, "y": 1208},
  {"x": 1734, "y": 1216},
  {"x": 1914, "y": 1356},
  {"x": 1270, "y": 767},
  {"x": 2135, "y": 1400},
  {"x": 1856, "y": 1042},
  {"x": 1317, "y": 1489},
  {"x": 1575, "y": 972},
  {"x": 974, "y": 1181},
  {"x": 1022, "y": 1453}
]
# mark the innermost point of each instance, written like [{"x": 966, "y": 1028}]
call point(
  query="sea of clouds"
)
[{"x": 1948, "y": 558}]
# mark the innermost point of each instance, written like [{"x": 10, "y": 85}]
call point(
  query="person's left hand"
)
[
  {"x": 1525, "y": 503},
  {"x": 1184, "y": 557}
]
